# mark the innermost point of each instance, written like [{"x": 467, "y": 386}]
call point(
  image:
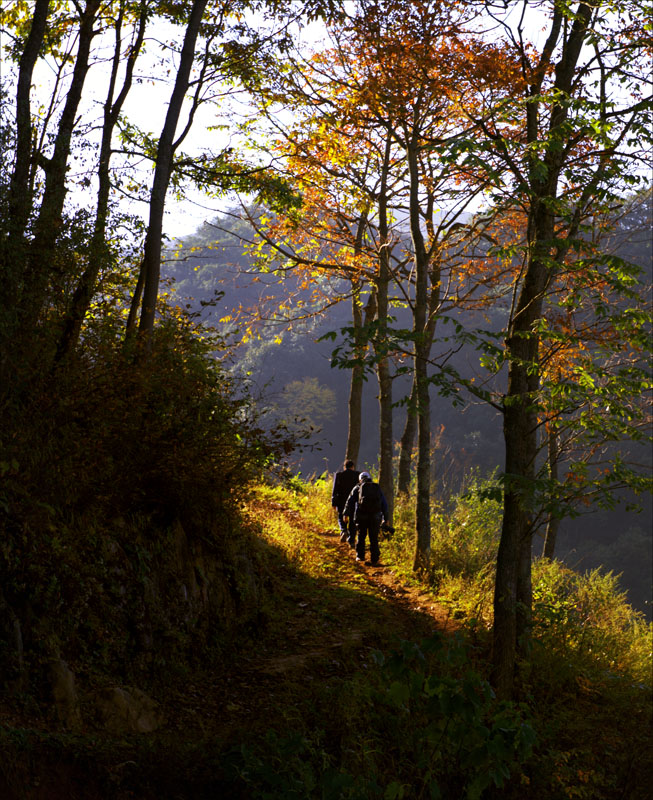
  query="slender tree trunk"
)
[
  {"x": 407, "y": 442},
  {"x": 98, "y": 255},
  {"x": 163, "y": 170},
  {"x": 20, "y": 200},
  {"x": 420, "y": 367},
  {"x": 355, "y": 404},
  {"x": 132, "y": 318},
  {"x": 14, "y": 246},
  {"x": 553, "y": 522},
  {"x": 49, "y": 219},
  {"x": 386, "y": 480}
]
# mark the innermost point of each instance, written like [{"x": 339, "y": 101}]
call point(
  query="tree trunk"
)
[
  {"x": 20, "y": 200},
  {"x": 132, "y": 317},
  {"x": 512, "y": 597},
  {"x": 162, "y": 171},
  {"x": 407, "y": 442},
  {"x": 386, "y": 481},
  {"x": 98, "y": 254},
  {"x": 355, "y": 404},
  {"x": 422, "y": 349},
  {"x": 553, "y": 522},
  {"x": 49, "y": 219},
  {"x": 520, "y": 437},
  {"x": 423, "y": 500},
  {"x": 14, "y": 247}
]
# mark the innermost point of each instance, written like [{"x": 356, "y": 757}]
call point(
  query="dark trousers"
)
[
  {"x": 368, "y": 526},
  {"x": 347, "y": 526}
]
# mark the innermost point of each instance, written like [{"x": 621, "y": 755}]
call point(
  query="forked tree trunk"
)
[
  {"x": 20, "y": 200},
  {"x": 48, "y": 223},
  {"x": 513, "y": 592},
  {"x": 98, "y": 255}
]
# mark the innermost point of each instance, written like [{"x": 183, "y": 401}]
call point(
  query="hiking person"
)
[
  {"x": 343, "y": 483},
  {"x": 367, "y": 505}
]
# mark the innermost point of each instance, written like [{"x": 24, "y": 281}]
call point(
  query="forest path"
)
[{"x": 330, "y": 613}]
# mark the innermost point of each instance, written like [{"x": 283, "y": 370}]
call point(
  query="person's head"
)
[
  {"x": 349, "y": 464},
  {"x": 364, "y": 477}
]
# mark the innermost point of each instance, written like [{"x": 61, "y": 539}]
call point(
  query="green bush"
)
[
  {"x": 102, "y": 458},
  {"x": 466, "y": 540}
]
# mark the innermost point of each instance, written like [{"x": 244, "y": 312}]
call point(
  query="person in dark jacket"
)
[
  {"x": 368, "y": 506},
  {"x": 343, "y": 483}
]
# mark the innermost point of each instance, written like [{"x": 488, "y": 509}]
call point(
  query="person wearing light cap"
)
[{"x": 368, "y": 507}]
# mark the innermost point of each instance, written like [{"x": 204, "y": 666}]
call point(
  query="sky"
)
[{"x": 146, "y": 107}]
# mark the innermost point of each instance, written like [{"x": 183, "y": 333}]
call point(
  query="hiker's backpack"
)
[{"x": 369, "y": 498}]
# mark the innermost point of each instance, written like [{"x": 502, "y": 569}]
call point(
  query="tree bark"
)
[
  {"x": 20, "y": 200},
  {"x": 520, "y": 438},
  {"x": 553, "y": 522},
  {"x": 14, "y": 246},
  {"x": 360, "y": 322},
  {"x": 407, "y": 442},
  {"x": 355, "y": 404},
  {"x": 163, "y": 170},
  {"x": 513, "y": 593},
  {"x": 386, "y": 480},
  {"x": 422, "y": 349}
]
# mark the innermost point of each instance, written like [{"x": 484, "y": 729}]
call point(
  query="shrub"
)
[
  {"x": 110, "y": 464},
  {"x": 583, "y": 624},
  {"x": 466, "y": 540}
]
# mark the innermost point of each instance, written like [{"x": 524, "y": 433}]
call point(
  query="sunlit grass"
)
[{"x": 304, "y": 513}]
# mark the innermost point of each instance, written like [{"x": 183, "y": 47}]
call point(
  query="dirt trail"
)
[{"x": 330, "y": 628}]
